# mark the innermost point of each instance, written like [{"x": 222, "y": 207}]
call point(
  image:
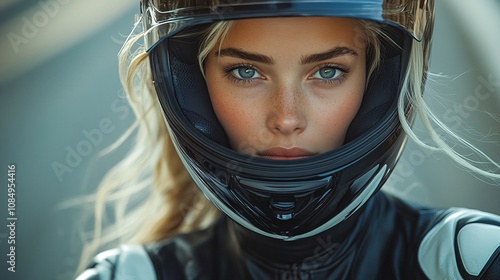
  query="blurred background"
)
[{"x": 61, "y": 103}]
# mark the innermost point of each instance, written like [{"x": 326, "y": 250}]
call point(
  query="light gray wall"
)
[
  {"x": 465, "y": 50},
  {"x": 48, "y": 109},
  {"x": 60, "y": 104}
]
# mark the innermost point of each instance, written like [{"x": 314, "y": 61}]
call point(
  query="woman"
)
[{"x": 288, "y": 116}]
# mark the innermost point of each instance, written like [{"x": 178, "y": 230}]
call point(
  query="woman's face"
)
[{"x": 287, "y": 88}]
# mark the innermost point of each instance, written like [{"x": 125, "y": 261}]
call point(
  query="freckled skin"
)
[{"x": 287, "y": 103}]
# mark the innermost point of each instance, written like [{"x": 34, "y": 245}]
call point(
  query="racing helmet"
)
[{"x": 290, "y": 199}]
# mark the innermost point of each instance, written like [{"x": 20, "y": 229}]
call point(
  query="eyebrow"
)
[
  {"x": 332, "y": 53},
  {"x": 317, "y": 57},
  {"x": 238, "y": 53}
]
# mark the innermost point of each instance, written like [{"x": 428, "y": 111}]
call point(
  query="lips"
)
[{"x": 283, "y": 153}]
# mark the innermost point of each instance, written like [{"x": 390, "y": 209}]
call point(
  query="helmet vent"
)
[{"x": 283, "y": 206}]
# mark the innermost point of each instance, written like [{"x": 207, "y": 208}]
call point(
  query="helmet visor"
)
[{"x": 165, "y": 18}]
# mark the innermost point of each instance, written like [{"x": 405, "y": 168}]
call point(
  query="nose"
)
[{"x": 287, "y": 110}]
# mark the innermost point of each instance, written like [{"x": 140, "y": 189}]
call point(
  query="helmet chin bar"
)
[
  {"x": 285, "y": 200},
  {"x": 369, "y": 183},
  {"x": 301, "y": 206},
  {"x": 278, "y": 200},
  {"x": 253, "y": 204}
]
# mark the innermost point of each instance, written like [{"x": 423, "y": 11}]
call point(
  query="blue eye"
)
[
  {"x": 327, "y": 73},
  {"x": 245, "y": 73}
]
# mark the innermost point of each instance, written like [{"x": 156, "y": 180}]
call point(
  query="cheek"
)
[
  {"x": 239, "y": 116},
  {"x": 238, "y": 123},
  {"x": 336, "y": 117},
  {"x": 228, "y": 112},
  {"x": 235, "y": 118}
]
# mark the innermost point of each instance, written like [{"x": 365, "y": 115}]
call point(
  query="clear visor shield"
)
[{"x": 162, "y": 18}]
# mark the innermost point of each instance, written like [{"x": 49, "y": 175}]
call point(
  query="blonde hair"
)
[
  {"x": 152, "y": 171},
  {"x": 443, "y": 138}
]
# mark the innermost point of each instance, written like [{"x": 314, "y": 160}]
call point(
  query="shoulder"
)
[
  {"x": 184, "y": 255},
  {"x": 125, "y": 262},
  {"x": 191, "y": 255},
  {"x": 463, "y": 244}
]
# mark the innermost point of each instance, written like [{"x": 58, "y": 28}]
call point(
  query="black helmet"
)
[{"x": 284, "y": 199}]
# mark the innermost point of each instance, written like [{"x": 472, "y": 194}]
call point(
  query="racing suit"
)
[{"x": 386, "y": 239}]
